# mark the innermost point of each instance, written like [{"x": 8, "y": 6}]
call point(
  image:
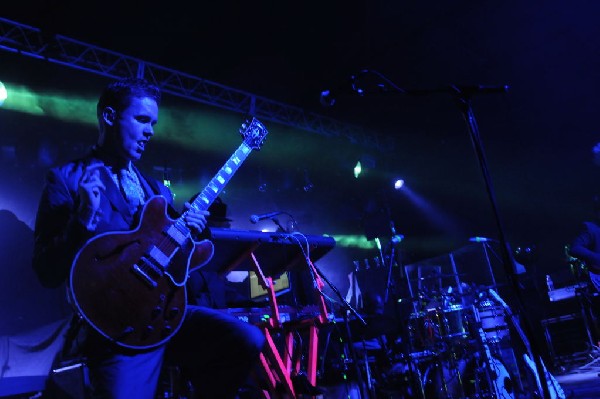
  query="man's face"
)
[{"x": 134, "y": 126}]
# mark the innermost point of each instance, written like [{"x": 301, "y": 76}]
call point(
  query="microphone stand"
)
[
  {"x": 275, "y": 220},
  {"x": 463, "y": 98},
  {"x": 463, "y": 95},
  {"x": 364, "y": 391}
]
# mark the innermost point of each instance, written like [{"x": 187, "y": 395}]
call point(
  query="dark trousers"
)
[{"x": 216, "y": 351}]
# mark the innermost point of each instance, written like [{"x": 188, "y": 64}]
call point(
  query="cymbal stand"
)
[
  {"x": 414, "y": 372},
  {"x": 449, "y": 355},
  {"x": 394, "y": 240},
  {"x": 456, "y": 277},
  {"x": 486, "y": 248},
  {"x": 489, "y": 367},
  {"x": 411, "y": 294},
  {"x": 412, "y": 366},
  {"x": 389, "y": 276}
]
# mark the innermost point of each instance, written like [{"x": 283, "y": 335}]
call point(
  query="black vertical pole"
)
[{"x": 464, "y": 101}]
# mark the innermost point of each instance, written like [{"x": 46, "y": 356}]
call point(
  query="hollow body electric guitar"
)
[{"x": 130, "y": 285}]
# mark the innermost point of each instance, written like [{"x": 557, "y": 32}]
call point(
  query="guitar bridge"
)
[{"x": 145, "y": 277}]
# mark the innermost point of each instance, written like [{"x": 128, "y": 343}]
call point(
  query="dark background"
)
[{"x": 538, "y": 137}]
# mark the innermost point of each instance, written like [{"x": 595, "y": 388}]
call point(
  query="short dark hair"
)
[{"x": 117, "y": 94}]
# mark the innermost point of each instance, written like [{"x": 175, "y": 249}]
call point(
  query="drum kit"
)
[
  {"x": 454, "y": 350},
  {"x": 450, "y": 340},
  {"x": 447, "y": 348}
]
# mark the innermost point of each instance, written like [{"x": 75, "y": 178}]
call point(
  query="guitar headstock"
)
[{"x": 254, "y": 133}]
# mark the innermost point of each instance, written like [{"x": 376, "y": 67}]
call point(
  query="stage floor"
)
[{"x": 581, "y": 384}]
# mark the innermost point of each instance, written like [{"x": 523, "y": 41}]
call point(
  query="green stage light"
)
[
  {"x": 357, "y": 170},
  {"x": 3, "y": 93},
  {"x": 353, "y": 241},
  {"x": 54, "y": 105}
]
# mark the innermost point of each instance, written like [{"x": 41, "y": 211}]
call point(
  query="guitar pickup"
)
[
  {"x": 176, "y": 235},
  {"x": 159, "y": 256}
]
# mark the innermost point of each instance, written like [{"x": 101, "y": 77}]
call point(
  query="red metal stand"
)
[{"x": 278, "y": 372}]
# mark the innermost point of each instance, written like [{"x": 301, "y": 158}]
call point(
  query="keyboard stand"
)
[
  {"x": 269, "y": 254},
  {"x": 277, "y": 371}
]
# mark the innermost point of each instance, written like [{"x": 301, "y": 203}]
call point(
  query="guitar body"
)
[{"x": 130, "y": 285}]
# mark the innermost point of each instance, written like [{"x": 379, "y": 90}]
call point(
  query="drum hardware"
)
[
  {"x": 456, "y": 351},
  {"x": 554, "y": 388},
  {"x": 459, "y": 349},
  {"x": 404, "y": 378},
  {"x": 499, "y": 381},
  {"x": 445, "y": 378}
]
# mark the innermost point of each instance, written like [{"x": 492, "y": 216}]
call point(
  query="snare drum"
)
[{"x": 492, "y": 320}]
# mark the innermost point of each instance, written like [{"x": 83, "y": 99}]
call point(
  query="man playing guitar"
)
[{"x": 106, "y": 227}]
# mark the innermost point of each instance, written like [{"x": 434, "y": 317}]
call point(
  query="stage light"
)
[
  {"x": 357, "y": 170},
  {"x": 398, "y": 184},
  {"x": 3, "y": 93},
  {"x": 352, "y": 241},
  {"x": 365, "y": 166}
]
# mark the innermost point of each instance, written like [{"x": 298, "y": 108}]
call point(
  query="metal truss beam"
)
[{"x": 29, "y": 41}]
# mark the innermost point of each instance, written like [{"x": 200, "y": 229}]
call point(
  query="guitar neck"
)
[
  {"x": 220, "y": 180},
  {"x": 254, "y": 134}
]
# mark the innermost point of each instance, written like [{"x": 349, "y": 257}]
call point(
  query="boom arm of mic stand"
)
[{"x": 469, "y": 90}]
